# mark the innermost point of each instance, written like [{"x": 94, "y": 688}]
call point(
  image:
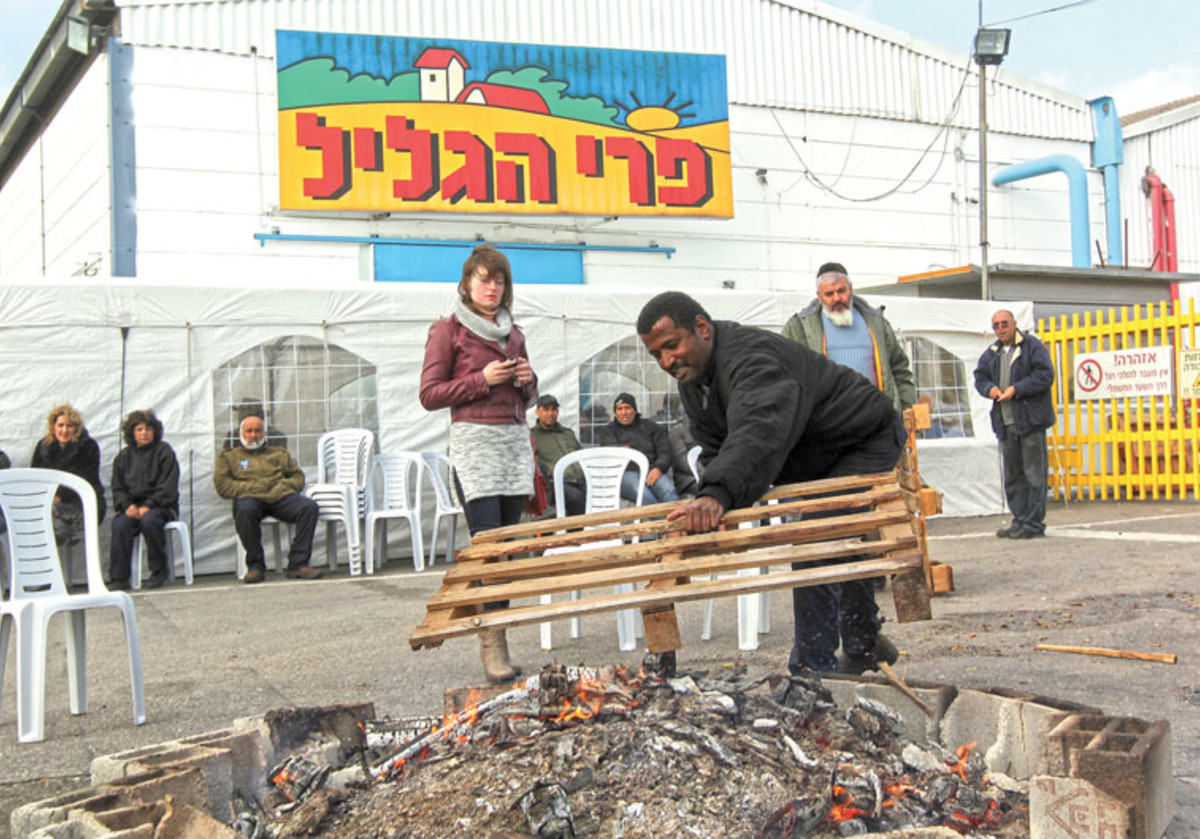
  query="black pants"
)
[
  {"x": 489, "y": 513},
  {"x": 297, "y": 509},
  {"x": 825, "y": 612},
  {"x": 125, "y": 531}
]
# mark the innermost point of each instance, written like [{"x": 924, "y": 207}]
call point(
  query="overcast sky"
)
[{"x": 1140, "y": 52}]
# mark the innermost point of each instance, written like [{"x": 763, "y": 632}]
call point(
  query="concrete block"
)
[
  {"x": 288, "y": 728},
  {"x": 1011, "y": 730},
  {"x": 214, "y": 764},
  {"x": 248, "y": 753},
  {"x": 58, "y": 814},
  {"x": 1127, "y": 759},
  {"x": 918, "y": 727},
  {"x": 1072, "y": 808}
]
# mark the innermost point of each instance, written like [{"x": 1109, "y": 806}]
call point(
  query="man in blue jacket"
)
[{"x": 1017, "y": 374}]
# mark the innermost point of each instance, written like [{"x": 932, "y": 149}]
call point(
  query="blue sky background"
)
[{"x": 1140, "y": 52}]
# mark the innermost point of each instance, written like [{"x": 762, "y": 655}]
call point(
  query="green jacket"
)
[
  {"x": 551, "y": 446},
  {"x": 268, "y": 473},
  {"x": 896, "y": 378}
]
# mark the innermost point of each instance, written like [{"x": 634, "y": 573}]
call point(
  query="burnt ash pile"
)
[{"x": 580, "y": 752}]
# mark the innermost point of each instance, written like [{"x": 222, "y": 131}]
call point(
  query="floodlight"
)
[{"x": 991, "y": 45}]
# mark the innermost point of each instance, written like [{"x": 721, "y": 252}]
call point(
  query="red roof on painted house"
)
[
  {"x": 503, "y": 96},
  {"x": 439, "y": 58}
]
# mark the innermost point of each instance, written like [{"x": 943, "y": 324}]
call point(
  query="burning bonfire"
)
[{"x": 581, "y": 752}]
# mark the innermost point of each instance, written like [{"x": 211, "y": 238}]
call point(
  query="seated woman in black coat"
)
[
  {"x": 145, "y": 484},
  {"x": 68, "y": 448}
]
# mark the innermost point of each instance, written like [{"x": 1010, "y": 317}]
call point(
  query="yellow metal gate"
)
[{"x": 1123, "y": 448}]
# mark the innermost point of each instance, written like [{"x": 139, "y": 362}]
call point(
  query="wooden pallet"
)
[{"x": 863, "y": 515}]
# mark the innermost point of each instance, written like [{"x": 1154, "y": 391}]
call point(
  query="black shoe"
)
[
  {"x": 118, "y": 585},
  {"x": 1008, "y": 530},
  {"x": 1026, "y": 533},
  {"x": 157, "y": 579},
  {"x": 884, "y": 651}
]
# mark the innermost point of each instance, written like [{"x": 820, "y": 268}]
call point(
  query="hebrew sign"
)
[{"x": 389, "y": 124}]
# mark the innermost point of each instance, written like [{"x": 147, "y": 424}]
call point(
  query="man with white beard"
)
[
  {"x": 263, "y": 480},
  {"x": 846, "y": 329}
]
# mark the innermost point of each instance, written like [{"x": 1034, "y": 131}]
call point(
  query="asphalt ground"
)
[{"x": 1116, "y": 575}]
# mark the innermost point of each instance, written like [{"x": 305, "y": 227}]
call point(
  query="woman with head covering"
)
[
  {"x": 145, "y": 484},
  {"x": 68, "y": 448},
  {"x": 476, "y": 365}
]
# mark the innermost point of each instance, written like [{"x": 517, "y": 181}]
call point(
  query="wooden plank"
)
[
  {"x": 625, "y": 514},
  {"x": 426, "y": 635},
  {"x": 930, "y": 501},
  {"x": 732, "y": 540},
  {"x": 921, "y": 418},
  {"x": 565, "y": 532},
  {"x": 660, "y": 623},
  {"x": 587, "y": 577}
]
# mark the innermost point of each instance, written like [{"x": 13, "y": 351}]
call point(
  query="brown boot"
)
[{"x": 493, "y": 649}]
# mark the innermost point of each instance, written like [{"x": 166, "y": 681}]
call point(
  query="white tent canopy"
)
[{"x": 115, "y": 348}]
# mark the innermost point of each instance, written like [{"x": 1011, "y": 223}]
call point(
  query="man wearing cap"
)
[
  {"x": 552, "y": 441},
  {"x": 842, "y": 326},
  {"x": 629, "y": 429}
]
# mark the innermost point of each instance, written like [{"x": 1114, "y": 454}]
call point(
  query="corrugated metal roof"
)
[{"x": 792, "y": 54}]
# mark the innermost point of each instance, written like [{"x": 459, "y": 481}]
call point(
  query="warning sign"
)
[
  {"x": 1189, "y": 374},
  {"x": 1122, "y": 374}
]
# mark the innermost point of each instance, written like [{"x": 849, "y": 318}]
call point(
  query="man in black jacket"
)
[
  {"x": 1016, "y": 373},
  {"x": 629, "y": 429},
  {"x": 767, "y": 410}
]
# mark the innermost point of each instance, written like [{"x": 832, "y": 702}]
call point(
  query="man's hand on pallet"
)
[{"x": 701, "y": 514}]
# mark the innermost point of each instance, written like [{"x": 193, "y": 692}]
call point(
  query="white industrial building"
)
[{"x": 139, "y": 153}]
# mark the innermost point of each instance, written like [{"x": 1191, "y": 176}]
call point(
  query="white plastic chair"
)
[
  {"x": 394, "y": 492},
  {"x": 441, "y": 477},
  {"x": 278, "y": 528},
  {"x": 602, "y": 468},
  {"x": 754, "y": 614},
  {"x": 39, "y": 591},
  {"x": 343, "y": 464},
  {"x": 183, "y": 555}
]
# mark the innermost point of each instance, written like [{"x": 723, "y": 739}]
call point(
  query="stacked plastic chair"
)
[{"x": 343, "y": 463}]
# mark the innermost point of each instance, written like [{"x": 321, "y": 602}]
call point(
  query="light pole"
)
[{"x": 991, "y": 45}]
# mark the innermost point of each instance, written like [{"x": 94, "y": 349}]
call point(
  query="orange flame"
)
[
  {"x": 962, "y": 753},
  {"x": 843, "y": 809}
]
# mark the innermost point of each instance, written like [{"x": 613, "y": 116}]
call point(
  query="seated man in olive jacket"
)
[
  {"x": 554, "y": 440},
  {"x": 264, "y": 480}
]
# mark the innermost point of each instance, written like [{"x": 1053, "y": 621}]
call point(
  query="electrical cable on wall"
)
[{"x": 943, "y": 131}]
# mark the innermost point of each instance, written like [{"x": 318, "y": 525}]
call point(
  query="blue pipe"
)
[
  {"x": 1077, "y": 190},
  {"x": 1108, "y": 152}
]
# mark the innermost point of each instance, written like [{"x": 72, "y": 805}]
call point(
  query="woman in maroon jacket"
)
[{"x": 476, "y": 365}]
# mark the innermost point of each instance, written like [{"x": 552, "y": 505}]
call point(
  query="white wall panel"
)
[
  {"x": 61, "y": 188},
  {"x": 793, "y": 54}
]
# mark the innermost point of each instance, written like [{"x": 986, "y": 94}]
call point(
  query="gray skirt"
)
[{"x": 492, "y": 459}]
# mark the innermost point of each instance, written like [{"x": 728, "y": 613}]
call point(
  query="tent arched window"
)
[
  {"x": 303, "y": 386},
  {"x": 624, "y": 367},
  {"x": 942, "y": 382}
]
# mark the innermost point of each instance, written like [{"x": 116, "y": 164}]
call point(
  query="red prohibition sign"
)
[{"x": 1089, "y": 375}]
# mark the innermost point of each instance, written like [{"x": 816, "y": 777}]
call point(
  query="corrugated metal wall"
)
[
  {"x": 1172, "y": 146},
  {"x": 782, "y": 53},
  {"x": 54, "y": 219}
]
